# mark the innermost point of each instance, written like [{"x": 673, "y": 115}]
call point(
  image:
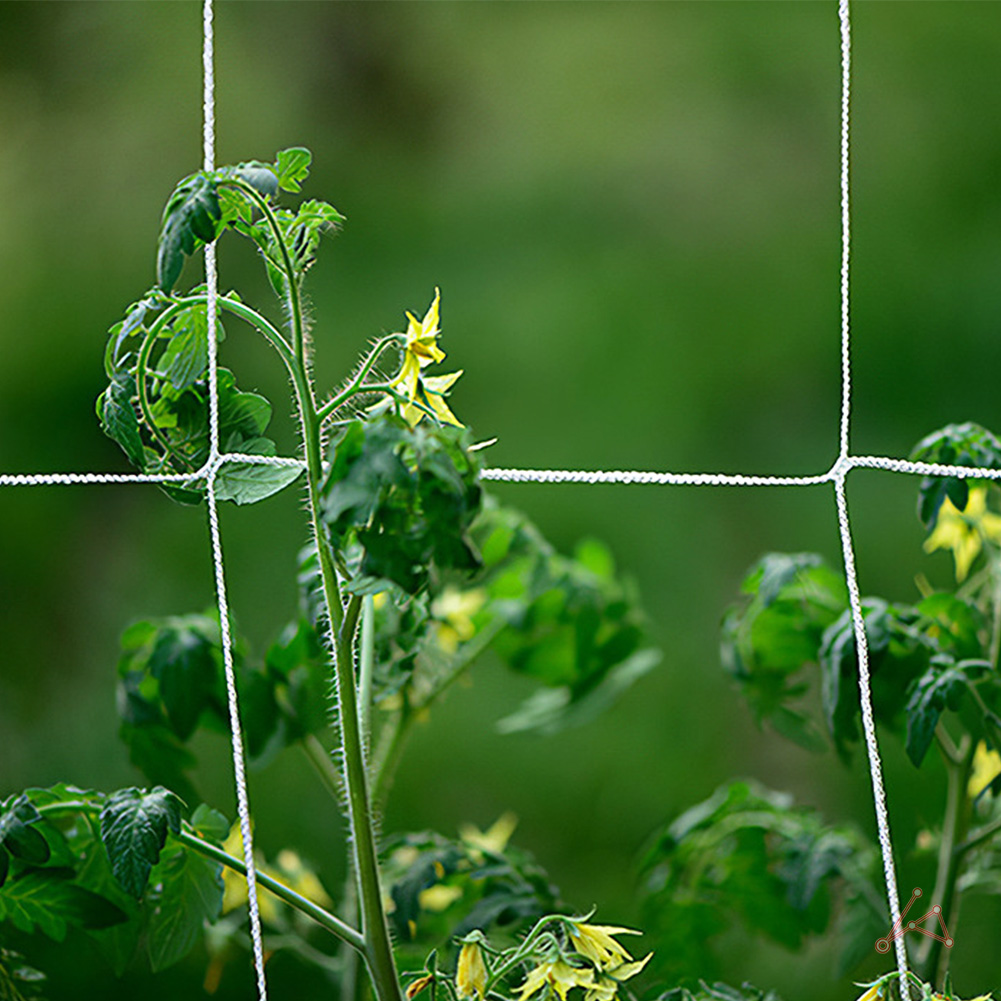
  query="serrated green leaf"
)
[
  {"x": 118, "y": 417},
  {"x": 19, "y": 837},
  {"x": 191, "y": 218},
  {"x": 134, "y": 825},
  {"x": 184, "y": 661},
  {"x": 292, "y": 166},
  {"x": 188, "y": 892},
  {"x": 250, "y": 482},
  {"x": 941, "y": 687},
  {"x": 185, "y": 359}
]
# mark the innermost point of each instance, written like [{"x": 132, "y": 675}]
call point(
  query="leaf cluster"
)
[
  {"x": 171, "y": 682},
  {"x": 748, "y": 854},
  {"x": 924, "y": 659},
  {"x": 108, "y": 871},
  {"x": 442, "y": 889},
  {"x": 406, "y": 497},
  {"x": 965, "y": 444}
]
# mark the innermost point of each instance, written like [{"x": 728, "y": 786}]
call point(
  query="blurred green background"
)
[{"x": 632, "y": 212}]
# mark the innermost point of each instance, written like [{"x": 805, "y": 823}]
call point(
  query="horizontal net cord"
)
[
  {"x": 209, "y": 470},
  {"x": 839, "y": 470}
]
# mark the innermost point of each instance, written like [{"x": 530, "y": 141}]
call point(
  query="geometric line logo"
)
[{"x": 900, "y": 929}]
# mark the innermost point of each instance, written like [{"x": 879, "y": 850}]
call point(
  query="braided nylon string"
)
[{"x": 214, "y": 461}]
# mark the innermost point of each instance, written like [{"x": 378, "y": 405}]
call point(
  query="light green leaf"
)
[
  {"x": 47, "y": 900},
  {"x": 250, "y": 482},
  {"x": 292, "y": 166},
  {"x": 189, "y": 893}
]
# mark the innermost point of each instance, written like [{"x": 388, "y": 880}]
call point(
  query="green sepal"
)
[{"x": 134, "y": 825}]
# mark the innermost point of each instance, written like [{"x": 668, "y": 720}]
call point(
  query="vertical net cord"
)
[
  {"x": 841, "y": 469},
  {"x": 236, "y": 731}
]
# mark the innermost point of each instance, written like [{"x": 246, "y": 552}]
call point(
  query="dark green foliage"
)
[
  {"x": 134, "y": 825},
  {"x": 747, "y": 853},
  {"x": 191, "y": 219},
  {"x": 408, "y": 496},
  {"x": 171, "y": 682},
  {"x": 941, "y": 687},
  {"x": 118, "y": 417},
  {"x": 569, "y": 622},
  {"x": 497, "y": 889},
  {"x": 18, "y": 837},
  {"x": 954, "y": 445},
  {"x": 776, "y": 632},
  {"x": 18, "y": 980},
  {"x": 719, "y": 992}
]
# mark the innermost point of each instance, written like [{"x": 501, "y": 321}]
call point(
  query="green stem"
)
[
  {"x": 378, "y": 948},
  {"x": 979, "y": 837},
  {"x": 323, "y": 765},
  {"x": 934, "y": 963},
  {"x": 355, "y": 385},
  {"x": 391, "y": 749},
  {"x": 322, "y": 917},
  {"x": 366, "y": 668}
]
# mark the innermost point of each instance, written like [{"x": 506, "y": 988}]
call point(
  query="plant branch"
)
[
  {"x": 321, "y": 916},
  {"x": 323, "y": 765},
  {"x": 979, "y": 837},
  {"x": 355, "y": 385}
]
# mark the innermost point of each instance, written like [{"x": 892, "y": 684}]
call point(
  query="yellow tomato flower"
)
[
  {"x": 495, "y": 838},
  {"x": 596, "y": 943},
  {"x": 873, "y": 993},
  {"x": 471, "y": 974},
  {"x": 424, "y": 393},
  {"x": 607, "y": 985},
  {"x": 966, "y": 531},
  {"x": 421, "y": 347},
  {"x": 557, "y": 974},
  {"x": 986, "y": 768},
  {"x": 454, "y": 610}
]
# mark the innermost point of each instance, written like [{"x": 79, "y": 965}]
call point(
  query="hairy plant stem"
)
[
  {"x": 342, "y": 621},
  {"x": 932, "y": 962}
]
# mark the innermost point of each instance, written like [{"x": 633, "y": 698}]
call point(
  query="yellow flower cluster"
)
[
  {"x": 965, "y": 532},
  {"x": 609, "y": 964},
  {"x": 424, "y": 392}
]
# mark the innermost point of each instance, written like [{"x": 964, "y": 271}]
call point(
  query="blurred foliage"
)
[{"x": 573, "y": 175}]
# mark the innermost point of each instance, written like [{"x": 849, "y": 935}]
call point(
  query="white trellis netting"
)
[{"x": 836, "y": 476}]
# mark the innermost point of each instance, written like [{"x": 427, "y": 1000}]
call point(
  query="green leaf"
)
[
  {"x": 941, "y": 687},
  {"x": 186, "y": 357},
  {"x": 210, "y": 824},
  {"x": 292, "y": 167},
  {"x": 188, "y": 892},
  {"x": 748, "y": 854},
  {"x": 118, "y": 417},
  {"x": 258, "y": 175},
  {"x": 19, "y": 837},
  {"x": 250, "y": 482},
  {"x": 774, "y": 635},
  {"x": 953, "y": 625},
  {"x": 966, "y": 444},
  {"x": 185, "y": 661},
  {"x": 160, "y": 756},
  {"x": 134, "y": 825},
  {"x": 192, "y": 218},
  {"x": 898, "y": 654},
  {"x": 47, "y": 900}
]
